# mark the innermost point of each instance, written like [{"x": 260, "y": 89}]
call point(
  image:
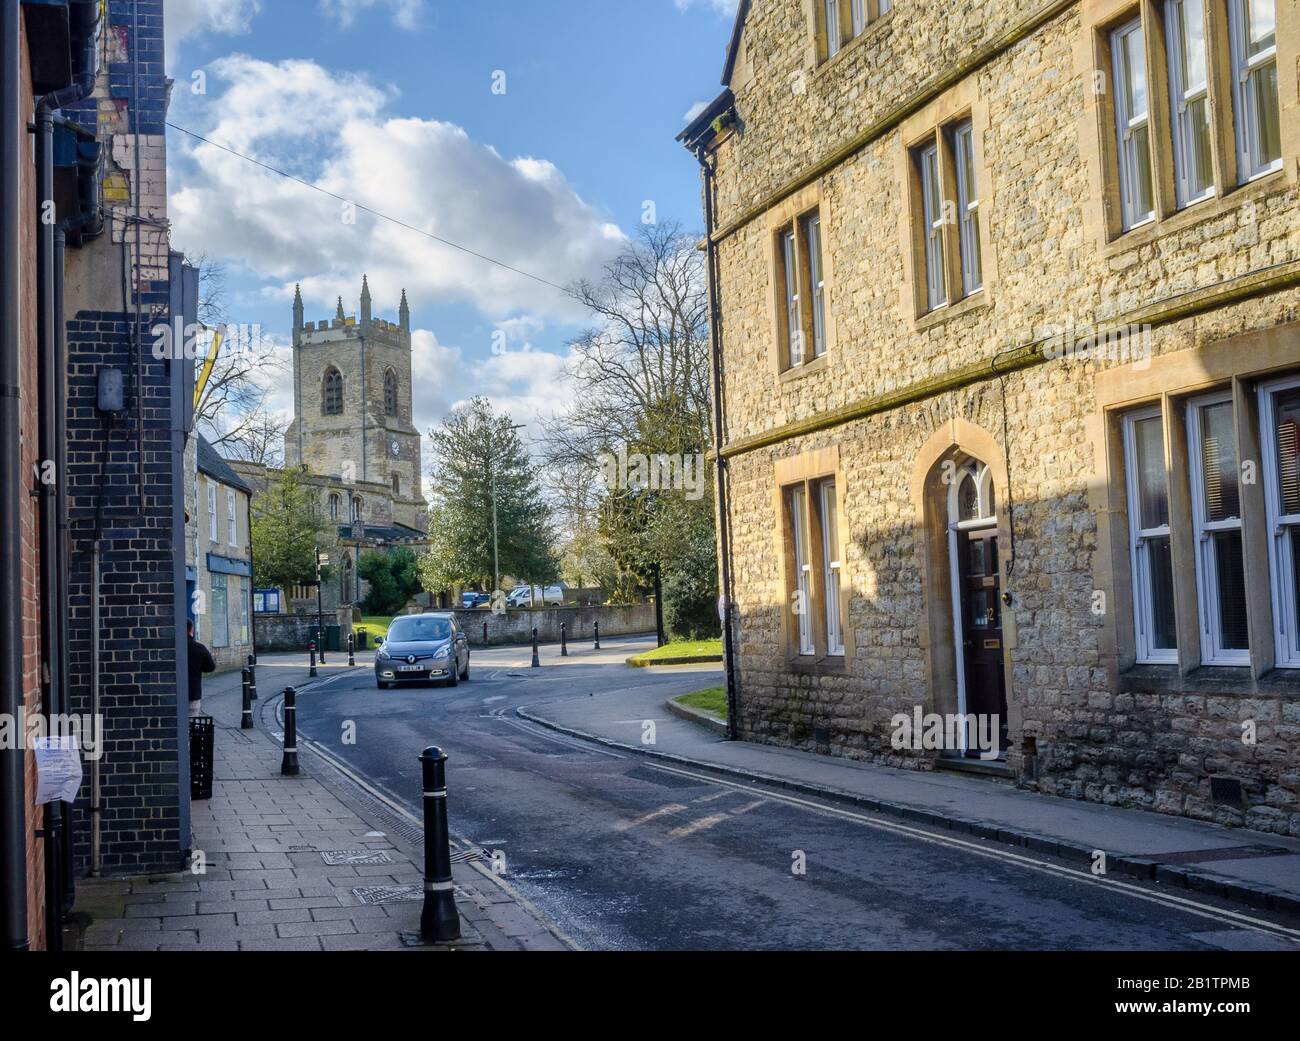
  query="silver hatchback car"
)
[{"x": 420, "y": 648}]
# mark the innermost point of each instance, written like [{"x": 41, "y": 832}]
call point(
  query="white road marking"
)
[
  {"x": 499, "y": 697},
  {"x": 645, "y": 818},
  {"x": 699, "y": 825},
  {"x": 1030, "y": 863}
]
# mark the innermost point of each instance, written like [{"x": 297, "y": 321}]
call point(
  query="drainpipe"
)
[
  {"x": 62, "y": 548},
  {"x": 49, "y": 279},
  {"x": 13, "y": 815},
  {"x": 720, "y": 467}
]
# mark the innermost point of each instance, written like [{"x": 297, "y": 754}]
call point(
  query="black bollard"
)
[
  {"x": 537, "y": 662},
  {"x": 564, "y": 641},
  {"x": 439, "y": 920},
  {"x": 246, "y": 723},
  {"x": 289, "y": 765},
  {"x": 252, "y": 675},
  {"x": 485, "y": 643},
  {"x": 311, "y": 652},
  {"x": 352, "y": 650},
  {"x": 597, "y": 624}
]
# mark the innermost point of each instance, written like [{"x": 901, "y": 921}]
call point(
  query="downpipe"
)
[
  {"x": 720, "y": 463},
  {"x": 13, "y": 817}
]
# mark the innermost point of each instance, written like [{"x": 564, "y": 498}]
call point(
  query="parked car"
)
[
  {"x": 420, "y": 648},
  {"x": 469, "y": 601},
  {"x": 522, "y": 596}
]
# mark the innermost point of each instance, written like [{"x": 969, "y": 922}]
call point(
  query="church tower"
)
[{"x": 352, "y": 409}]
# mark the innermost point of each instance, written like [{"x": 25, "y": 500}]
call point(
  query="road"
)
[{"x": 624, "y": 853}]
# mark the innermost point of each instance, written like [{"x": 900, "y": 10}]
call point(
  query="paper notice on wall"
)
[{"x": 58, "y": 769}]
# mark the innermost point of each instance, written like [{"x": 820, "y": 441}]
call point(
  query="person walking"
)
[{"x": 200, "y": 661}]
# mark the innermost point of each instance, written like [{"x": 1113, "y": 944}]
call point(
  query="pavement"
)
[
  {"x": 294, "y": 863},
  {"x": 1247, "y": 867}
]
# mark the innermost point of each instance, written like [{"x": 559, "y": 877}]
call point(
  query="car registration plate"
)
[{"x": 411, "y": 668}]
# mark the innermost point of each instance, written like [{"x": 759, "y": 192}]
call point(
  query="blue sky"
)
[{"x": 391, "y": 103}]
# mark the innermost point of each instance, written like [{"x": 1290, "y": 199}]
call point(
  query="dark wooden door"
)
[{"x": 981, "y": 595}]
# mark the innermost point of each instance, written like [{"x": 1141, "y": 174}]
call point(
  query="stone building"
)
[
  {"x": 352, "y": 411},
  {"x": 1009, "y": 332}
]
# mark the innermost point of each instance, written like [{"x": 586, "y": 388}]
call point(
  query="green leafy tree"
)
[
  {"x": 288, "y": 528},
  {"x": 394, "y": 578},
  {"x": 478, "y": 458}
]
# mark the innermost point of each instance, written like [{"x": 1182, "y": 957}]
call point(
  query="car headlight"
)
[
  {"x": 381, "y": 655},
  {"x": 442, "y": 655}
]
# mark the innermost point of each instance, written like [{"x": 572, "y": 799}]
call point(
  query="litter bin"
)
[
  {"x": 363, "y": 639},
  {"x": 334, "y": 637},
  {"x": 201, "y": 733}
]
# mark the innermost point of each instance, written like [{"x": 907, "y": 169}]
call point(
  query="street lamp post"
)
[{"x": 320, "y": 609}]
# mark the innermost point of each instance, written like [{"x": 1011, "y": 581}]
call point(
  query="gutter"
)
[
  {"x": 720, "y": 462},
  {"x": 13, "y": 816}
]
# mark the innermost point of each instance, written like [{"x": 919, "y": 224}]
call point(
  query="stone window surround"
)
[
  {"x": 814, "y": 14},
  {"x": 808, "y": 468},
  {"x": 1239, "y": 363},
  {"x": 956, "y": 440},
  {"x": 932, "y": 123},
  {"x": 790, "y": 213},
  {"x": 1102, "y": 208}
]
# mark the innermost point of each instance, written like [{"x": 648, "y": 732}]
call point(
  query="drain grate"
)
[
  {"x": 337, "y": 857},
  {"x": 464, "y": 856},
  {"x": 388, "y": 894}
]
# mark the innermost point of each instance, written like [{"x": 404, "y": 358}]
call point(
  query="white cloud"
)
[
  {"x": 427, "y": 173},
  {"x": 721, "y": 6},
  {"x": 694, "y": 111},
  {"x": 405, "y": 12},
  {"x": 183, "y": 19}
]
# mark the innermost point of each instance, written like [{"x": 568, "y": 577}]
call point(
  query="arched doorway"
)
[{"x": 976, "y": 580}]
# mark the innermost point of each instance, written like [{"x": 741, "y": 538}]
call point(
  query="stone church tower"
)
[{"x": 352, "y": 410}]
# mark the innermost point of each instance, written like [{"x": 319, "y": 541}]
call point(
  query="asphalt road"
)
[{"x": 623, "y": 853}]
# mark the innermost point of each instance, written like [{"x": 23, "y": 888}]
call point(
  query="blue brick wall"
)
[{"x": 144, "y": 824}]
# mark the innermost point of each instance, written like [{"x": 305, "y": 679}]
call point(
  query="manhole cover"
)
[
  {"x": 336, "y": 857},
  {"x": 388, "y": 894}
]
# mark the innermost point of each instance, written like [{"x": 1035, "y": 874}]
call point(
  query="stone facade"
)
[
  {"x": 370, "y": 440},
  {"x": 903, "y": 396}
]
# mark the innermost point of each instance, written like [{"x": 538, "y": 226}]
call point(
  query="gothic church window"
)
[
  {"x": 332, "y": 393},
  {"x": 334, "y": 508},
  {"x": 390, "y": 393}
]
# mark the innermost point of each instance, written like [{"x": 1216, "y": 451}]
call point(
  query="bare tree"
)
[{"x": 232, "y": 411}]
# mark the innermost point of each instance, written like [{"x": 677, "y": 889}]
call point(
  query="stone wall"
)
[
  {"x": 1084, "y": 722},
  {"x": 516, "y": 627}
]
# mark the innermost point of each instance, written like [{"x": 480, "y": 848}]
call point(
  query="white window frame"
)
[
  {"x": 793, "y": 300},
  {"x": 831, "y": 14},
  {"x": 1126, "y": 123},
  {"x": 232, "y": 525},
  {"x": 927, "y": 159},
  {"x": 1212, "y": 650},
  {"x": 972, "y": 267},
  {"x": 1139, "y": 558},
  {"x": 798, "y": 506},
  {"x": 1247, "y": 118},
  {"x": 1182, "y": 97},
  {"x": 1286, "y": 623},
  {"x": 812, "y": 228},
  {"x": 884, "y": 7},
  {"x": 858, "y": 16},
  {"x": 213, "y": 533},
  {"x": 831, "y": 569}
]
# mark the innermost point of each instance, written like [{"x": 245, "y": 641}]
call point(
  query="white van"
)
[{"x": 523, "y": 596}]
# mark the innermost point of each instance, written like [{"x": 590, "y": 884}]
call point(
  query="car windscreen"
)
[{"x": 418, "y": 629}]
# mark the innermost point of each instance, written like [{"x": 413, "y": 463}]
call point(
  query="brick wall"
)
[
  {"x": 31, "y": 598},
  {"x": 121, "y": 489}
]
